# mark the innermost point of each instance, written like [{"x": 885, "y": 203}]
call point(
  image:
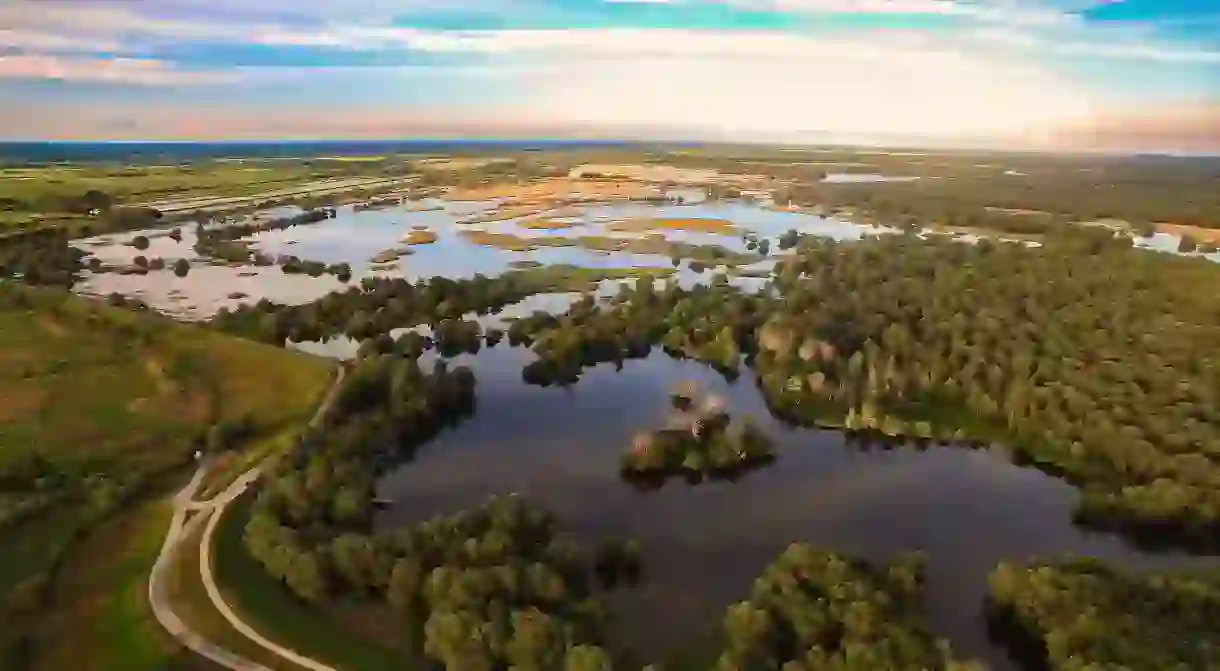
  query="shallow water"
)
[
  {"x": 704, "y": 544},
  {"x": 356, "y": 237},
  {"x": 866, "y": 178}
]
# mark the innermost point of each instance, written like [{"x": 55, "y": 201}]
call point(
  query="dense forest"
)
[
  {"x": 1078, "y": 614},
  {"x": 819, "y": 611}
]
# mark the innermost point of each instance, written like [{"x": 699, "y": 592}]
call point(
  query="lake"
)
[{"x": 704, "y": 544}]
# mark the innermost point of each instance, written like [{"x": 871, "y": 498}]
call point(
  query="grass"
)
[
  {"x": 99, "y": 391},
  {"x": 656, "y": 245},
  {"x": 546, "y": 224},
  {"x": 29, "y": 549},
  {"x": 98, "y": 616},
  {"x": 692, "y": 225},
  {"x": 114, "y": 401},
  {"x": 38, "y": 186},
  {"x": 267, "y": 605},
  {"x": 420, "y": 237}
]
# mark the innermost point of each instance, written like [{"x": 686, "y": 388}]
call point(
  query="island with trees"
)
[{"x": 700, "y": 440}]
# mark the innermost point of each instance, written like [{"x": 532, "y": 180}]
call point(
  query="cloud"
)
[
  {"x": 1029, "y": 12},
  {"x": 831, "y": 87},
  {"x": 37, "y": 40},
  {"x": 145, "y": 72}
]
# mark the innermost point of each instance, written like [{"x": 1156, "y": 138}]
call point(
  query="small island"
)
[{"x": 700, "y": 440}]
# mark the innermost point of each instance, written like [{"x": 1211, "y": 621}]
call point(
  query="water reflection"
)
[
  {"x": 703, "y": 545},
  {"x": 356, "y": 237}
]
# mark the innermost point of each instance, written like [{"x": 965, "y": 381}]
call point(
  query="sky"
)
[{"x": 1118, "y": 75}]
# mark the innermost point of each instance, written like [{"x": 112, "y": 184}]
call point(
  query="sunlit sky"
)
[{"x": 1116, "y": 74}]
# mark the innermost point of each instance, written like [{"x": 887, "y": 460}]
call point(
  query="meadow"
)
[{"x": 103, "y": 409}]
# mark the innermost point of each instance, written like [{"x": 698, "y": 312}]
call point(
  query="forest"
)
[
  {"x": 1086, "y": 358},
  {"x": 1071, "y": 614}
]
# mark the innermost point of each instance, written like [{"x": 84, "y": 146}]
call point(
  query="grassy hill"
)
[{"x": 101, "y": 410}]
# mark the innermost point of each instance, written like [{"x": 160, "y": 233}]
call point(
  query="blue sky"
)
[{"x": 1025, "y": 71}]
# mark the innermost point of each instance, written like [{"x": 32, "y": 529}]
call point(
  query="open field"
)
[
  {"x": 102, "y": 405},
  {"x": 316, "y": 188},
  {"x": 96, "y": 391}
]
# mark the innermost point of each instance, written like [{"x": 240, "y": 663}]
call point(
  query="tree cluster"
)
[
  {"x": 490, "y": 588},
  {"x": 41, "y": 256},
  {"x": 1077, "y": 614},
  {"x": 1088, "y": 358},
  {"x": 709, "y": 323},
  {"x": 381, "y": 304},
  {"x": 224, "y": 241},
  {"x": 817, "y": 611},
  {"x": 701, "y": 440}
]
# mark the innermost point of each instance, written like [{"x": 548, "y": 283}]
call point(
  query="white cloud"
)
[
  {"x": 1027, "y": 12},
  {"x": 767, "y": 84},
  {"x": 137, "y": 71}
]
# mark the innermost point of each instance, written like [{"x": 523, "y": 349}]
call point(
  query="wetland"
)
[{"x": 902, "y": 411}]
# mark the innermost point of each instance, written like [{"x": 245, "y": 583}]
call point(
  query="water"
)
[
  {"x": 865, "y": 178},
  {"x": 356, "y": 237},
  {"x": 704, "y": 544}
]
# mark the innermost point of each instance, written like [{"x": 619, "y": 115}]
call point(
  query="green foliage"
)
[
  {"x": 41, "y": 256},
  {"x": 813, "y": 611},
  {"x": 700, "y": 441},
  {"x": 1077, "y": 614}
]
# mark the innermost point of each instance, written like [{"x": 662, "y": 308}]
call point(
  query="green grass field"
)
[
  {"x": 98, "y": 391},
  {"x": 101, "y": 411},
  {"x": 51, "y": 195}
]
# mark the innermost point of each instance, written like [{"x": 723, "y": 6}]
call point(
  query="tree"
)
[
  {"x": 306, "y": 577},
  {"x": 587, "y": 658},
  {"x": 537, "y": 642},
  {"x": 140, "y": 242},
  {"x": 406, "y": 581},
  {"x": 182, "y": 267}
]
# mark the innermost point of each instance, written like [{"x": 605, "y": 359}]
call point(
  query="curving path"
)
[
  {"x": 212, "y": 511},
  {"x": 157, "y": 588}
]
